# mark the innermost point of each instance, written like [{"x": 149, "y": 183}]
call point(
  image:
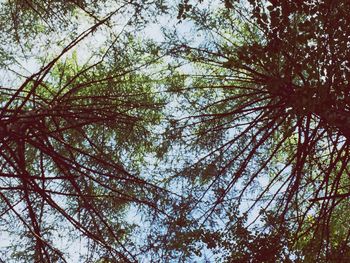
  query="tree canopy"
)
[{"x": 194, "y": 131}]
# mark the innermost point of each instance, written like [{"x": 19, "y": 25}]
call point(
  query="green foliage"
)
[{"x": 164, "y": 151}]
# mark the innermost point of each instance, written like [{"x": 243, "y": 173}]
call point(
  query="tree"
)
[
  {"x": 269, "y": 102},
  {"x": 74, "y": 132}
]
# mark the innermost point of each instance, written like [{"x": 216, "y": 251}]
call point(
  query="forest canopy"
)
[{"x": 182, "y": 131}]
